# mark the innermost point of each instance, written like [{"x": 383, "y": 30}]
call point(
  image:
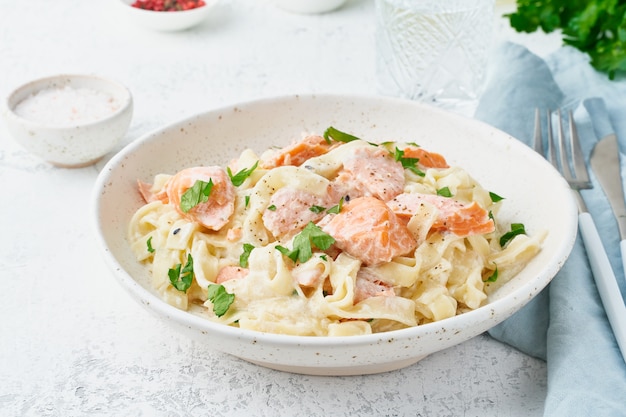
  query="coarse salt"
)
[{"x": 67, "y": 106}]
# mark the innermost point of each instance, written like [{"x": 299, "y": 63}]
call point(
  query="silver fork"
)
[{"x": 579, "y": 180}]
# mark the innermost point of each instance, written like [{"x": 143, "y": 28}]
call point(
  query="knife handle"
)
[
  {"x": 600, "y": 116},
  {"x": 605, "y": 279},
  {"x": 622, "y": 246}
]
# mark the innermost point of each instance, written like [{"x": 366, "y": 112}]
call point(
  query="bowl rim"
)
[
  {"x": 309, "y": 7},
  {"x": 152, "y": 302},
  {"x": 125, "y": 97},
  {"x": 207, "y": 5}
]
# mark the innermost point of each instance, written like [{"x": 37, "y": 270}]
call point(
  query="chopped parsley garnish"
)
[
  {"x": 408, "y": 163},
  {"x": 271, "y": 208},
  {"x": 516, "y": 229},
  {"x": 246, "y": 201},
  {"x": 285, "y": 251},
  {"x": 336, "y": 208},
  {"x": 220, "y": 298},
  {"x": 149, "y": 245},
  {"x": 444, "y": 192},
  {"x": 242, "y": 175},
  {"x": 317, "y": 209},
  {"x": 493, "y": 277},
  {"x": 243, "y": 258},
  {"x": 495, "y": 197},
  {"x": 182, "y": 276},
  {"x": 337, "y": 135},
  {"x": 304, "y": 241},
  {"x": 398, "y": 154},
  {"x": 198, "y": 193}
]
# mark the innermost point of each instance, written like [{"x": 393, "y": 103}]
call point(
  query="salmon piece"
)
[
  {"x": 231, "y": 272},
  {"x": 149, "y": 195},
  {"x": 307, "y": 275},
  {"x": 291, "y": 210},
  {"x": 297, "y": 153},
  {"x": 369, "y": 285},
  {"x": 462, "y": 219},
  {"x": 214, "y": 213},
  {"x": 367, "y": 229},
  {"x": 426, "y": 159},
  {"x": 234, "y": 234},
  {"x": 370, "y": 171}
]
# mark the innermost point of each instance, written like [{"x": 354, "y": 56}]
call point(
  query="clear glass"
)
[{"x": 434, "y": 51}]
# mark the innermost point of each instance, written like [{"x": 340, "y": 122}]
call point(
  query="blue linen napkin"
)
[{"x": 565, "y": 324}]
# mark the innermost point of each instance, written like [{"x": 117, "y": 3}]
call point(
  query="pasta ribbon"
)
[{"x": 435, "y": 273}]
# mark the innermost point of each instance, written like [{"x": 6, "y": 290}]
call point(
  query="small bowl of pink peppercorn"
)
[
  {"x": 167, "y": 15},
  {"x": 69, "y": 121}
]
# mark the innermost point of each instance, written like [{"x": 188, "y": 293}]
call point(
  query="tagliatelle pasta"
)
[{"x": 329, "y": 236}]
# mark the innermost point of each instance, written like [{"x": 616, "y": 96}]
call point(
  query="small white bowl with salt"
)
[{"x": 70, "y": 121}]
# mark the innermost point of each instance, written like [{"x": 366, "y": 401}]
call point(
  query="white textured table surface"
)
[{"x": 73, "y": 343}]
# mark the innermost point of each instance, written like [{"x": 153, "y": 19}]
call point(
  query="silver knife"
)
[{"x": 605, "y": 162}]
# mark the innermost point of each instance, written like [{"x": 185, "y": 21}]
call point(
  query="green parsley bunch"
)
[{"x": 596, "y": 27}]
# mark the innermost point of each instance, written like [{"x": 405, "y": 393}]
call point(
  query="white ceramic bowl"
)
[
  {"x": 75, "y": 144},
  {"x": 167, "y": 21},
  {"x": 309, "y": 6},
  {"x": 535, "y": 195}
]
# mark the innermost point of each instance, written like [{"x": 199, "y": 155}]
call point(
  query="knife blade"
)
[{"x": 605, "y": 161}]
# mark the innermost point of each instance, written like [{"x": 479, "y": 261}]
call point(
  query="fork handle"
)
[{"x": 605, "y": 279}]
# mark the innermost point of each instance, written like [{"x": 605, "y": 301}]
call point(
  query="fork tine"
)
[
  {"x": 580, "y": 167},
  {"x": 576, "y": 184},
  {"x": 551, "y": 148},
  {"x": 561, "y": 160},
  {"x": 537, "y": 140},
  {"x": 565, "y": 168}
]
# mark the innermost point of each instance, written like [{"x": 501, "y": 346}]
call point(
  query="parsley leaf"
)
[
  {"x": 493, "y": 277},
  {"x": 337, "y": 135},
  {"x": 495, "y": 197},
  {"x": 336, "y": 208},
  {"x": 181, "y": 279},
  {"x": 285, "y": 251},
  {"x": 516, "y": 229},
  {"x": 198, "y": 193},
  {"x": 398, "y": 154},
  {"x": 444, "y": 192},
  {"x": 220, "y": 298},
  {"x": 408, "y": 163},
  {"x": 243, "y": 258},
  {"x": 271, "y": 208},
  {"x": 411, "y": 165},
  {"x": 149, "y": 245},
  {"x": 304, "y": 241},
  {"x": 317, "y": 209},
  {"x": 242, "y": 175}
]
